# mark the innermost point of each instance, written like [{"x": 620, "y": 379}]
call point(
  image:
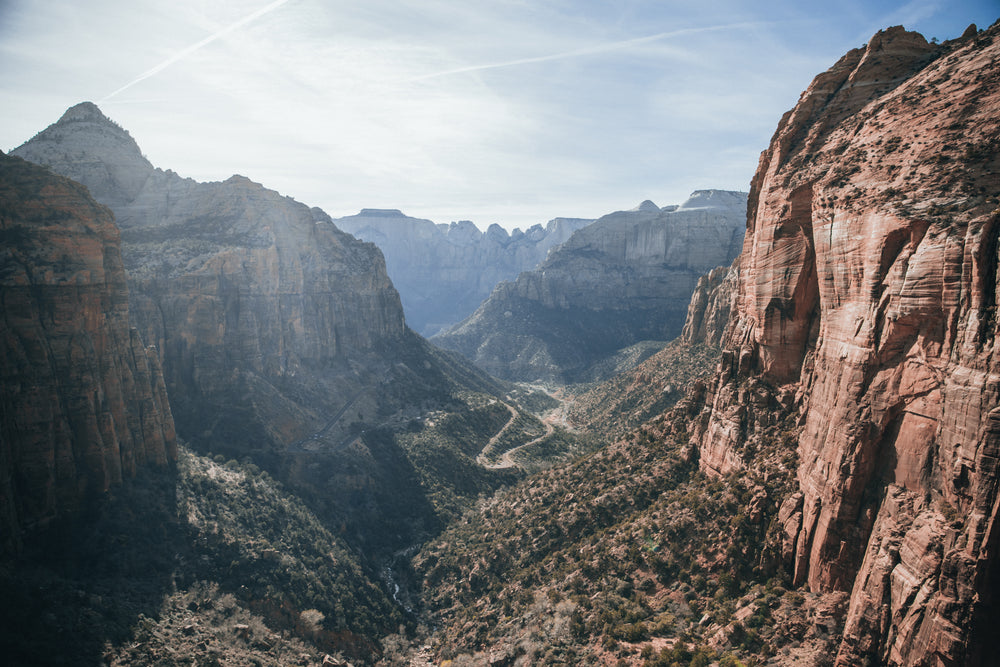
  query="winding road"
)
[{"x": 507, "y": 458}]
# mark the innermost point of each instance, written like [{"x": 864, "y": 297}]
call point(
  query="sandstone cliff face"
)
[
  {"x": 443, "y": 272},
  {"x": 626, "y": 278},
  {"x": 867, "y": 300},
  {"x": 83, "y": 401}
]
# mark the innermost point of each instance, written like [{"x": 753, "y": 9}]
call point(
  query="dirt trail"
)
[
  {"x": 506, "y": 459},
  {"x": 299, "y": 445},
  {"x": 557, "y": 416},
  {"x": 481, "y": 458}
]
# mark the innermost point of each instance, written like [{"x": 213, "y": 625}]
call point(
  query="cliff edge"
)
[{"x": 867, "y": 300}]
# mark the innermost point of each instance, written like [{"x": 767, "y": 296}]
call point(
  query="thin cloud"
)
[
  {"x": 588, "y": 50},
  {"x": 184, "y": 53}
]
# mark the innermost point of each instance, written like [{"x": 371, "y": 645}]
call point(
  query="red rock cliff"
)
[
  {"x": 82, "y": 401},
  {"x": 868, "y": 298}
]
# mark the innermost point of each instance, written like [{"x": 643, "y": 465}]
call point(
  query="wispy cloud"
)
[
  {"x": 184, "y": 53},
  {"x": 589, "y": 50}
]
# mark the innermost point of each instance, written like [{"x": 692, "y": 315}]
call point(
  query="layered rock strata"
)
[
  {"x": 626, "y": 278},
  {"x": 867, "y": 300},
  {"x": 443, "y": 272},
  {"x": 282, "y": 339},
  {"x": 82, "y": 399}
]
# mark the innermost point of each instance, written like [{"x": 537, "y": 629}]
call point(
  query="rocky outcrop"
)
[
  {"x": 867, "y": 301},
  {"x": 626, "y": 278},
  {"x": 82, "y": 400},
  {"x": 711, "y": 303},
  {"x": 443, "y": 272}
]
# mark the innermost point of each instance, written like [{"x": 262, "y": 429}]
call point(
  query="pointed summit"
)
[
  {"x": 647, "y": 207},
  {"x": 85, "y": 111},
  {"x": 115, "y": 169}
]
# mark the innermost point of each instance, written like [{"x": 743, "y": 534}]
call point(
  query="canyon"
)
[{"x": 805, "y": 474}]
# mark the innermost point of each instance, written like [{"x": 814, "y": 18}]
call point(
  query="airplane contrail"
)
[
  {"x": 587, "y": 50},
  {"x": 184, "y": 53}
]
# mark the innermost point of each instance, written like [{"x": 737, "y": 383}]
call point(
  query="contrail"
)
[
  {"x": 184, "y": 53},
  {"x": 587, "y": 50}
]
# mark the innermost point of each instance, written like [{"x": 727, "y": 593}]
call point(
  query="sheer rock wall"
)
[{"x": 868, "y": 299}]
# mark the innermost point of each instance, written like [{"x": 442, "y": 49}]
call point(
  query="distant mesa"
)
[{"x": 381, "y": 213}]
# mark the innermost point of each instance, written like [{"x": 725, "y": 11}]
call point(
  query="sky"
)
[{"x": 496, "y": 111}]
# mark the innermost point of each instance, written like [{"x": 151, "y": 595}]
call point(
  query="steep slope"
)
[
  {"x": 209, "y": 563},
  {"x": 443, "y": 272},
  {"x": 281, "y": 337},
  {"x": 244, "y": 292},
  {"x": 626, "y": 278},
  {"x": 711, "y": 304},
  {"x": 82, "y": 400},
  {"x": 868, "y": 300}
]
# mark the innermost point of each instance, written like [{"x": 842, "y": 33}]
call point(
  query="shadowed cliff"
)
[
  {"x": 82, "y": 400},
  {"x": 281, "y": 337}
]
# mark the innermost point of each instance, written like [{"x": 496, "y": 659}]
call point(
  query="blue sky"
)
[{"x": 507, "y": 111}]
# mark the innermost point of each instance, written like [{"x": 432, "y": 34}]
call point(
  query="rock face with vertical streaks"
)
[
  {"x": 443, "y": 272},
  {"x": 711, "y": 303},
  {"x": 83, "y": 400},
  {"x": 867, "y": 299},
  {"x": 268, "y": 318}
]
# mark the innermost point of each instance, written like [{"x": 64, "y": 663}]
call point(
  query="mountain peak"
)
[
  {"x": 115, "y": 168},
  {"x": 382, "y": 213},
  {"x": 647, "y": 206},
  {"x": 85, "y": 111}
]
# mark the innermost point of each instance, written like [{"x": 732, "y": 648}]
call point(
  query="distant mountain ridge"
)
[
  {"x": 627, "y": 277},
  {"x": 444, "y": 271}
]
